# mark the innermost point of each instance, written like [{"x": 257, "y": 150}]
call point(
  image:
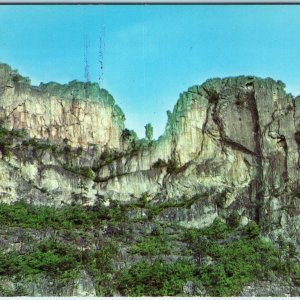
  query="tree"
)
[
  {"x": 234, "y": 219},
  {"x": 149, "y": 131},
  {"x": 129, "y": 136},
  {"x": 252, "y": 230}
]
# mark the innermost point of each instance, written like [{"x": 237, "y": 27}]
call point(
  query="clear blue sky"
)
[{"x": 152, "y": 53}]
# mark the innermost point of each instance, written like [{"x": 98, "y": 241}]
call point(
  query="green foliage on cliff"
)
[
  {"x": 7, "y": 138},
  {"x": 155, "y": 279},
  {"x": 152, "y": 245},
  {"x": 149, "y": 132},
  {"x": 237, "y": 257},
  {"x": 25, "y": 215},
  {"x": 48, "y": 256},
  {"x": 236, "y": 264},
  {"x": 221, "y": 258}
]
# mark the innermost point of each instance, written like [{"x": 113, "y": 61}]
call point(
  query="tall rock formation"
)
[
  {"x": 229, "y": 155},
  {"x": 81, "y": 113},
  {"x": 230, "y": 144}
]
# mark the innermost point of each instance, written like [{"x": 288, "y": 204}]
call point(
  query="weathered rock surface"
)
[
  {"x": 230, "y": 145},
  {"x": 278, "y": 287},
  {"x": 44, "y": 286},
  {"x": 79, "y": 112},
  {"x": 235, "y": 140}
]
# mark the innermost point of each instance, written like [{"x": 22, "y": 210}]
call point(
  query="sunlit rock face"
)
[
  {"x": 232, "y": 144},
  {"x": 81, "y": 113}
]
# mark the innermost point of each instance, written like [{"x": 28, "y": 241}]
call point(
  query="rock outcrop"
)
[
  {"x": 230, "y": 145},
  {"x": 233, "y": 140},
  {"x": 81, "y": 113}
]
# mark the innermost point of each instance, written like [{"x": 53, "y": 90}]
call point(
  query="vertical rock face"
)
[
  {"x": 79, "y": 112},
  {"x": 235, "y": 139},
  {"x": 230, "y": 148},
  {"x": 231, "y": 144}
]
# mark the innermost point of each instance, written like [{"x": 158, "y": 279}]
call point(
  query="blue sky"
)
[{"x": 152, "y": 52}]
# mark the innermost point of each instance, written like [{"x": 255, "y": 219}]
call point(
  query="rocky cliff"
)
[
  {"x": 230, "y": 146},
  {"x": 81, "y": 113}
]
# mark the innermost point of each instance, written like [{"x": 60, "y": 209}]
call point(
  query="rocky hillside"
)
[{"x": 226, "y": 170}]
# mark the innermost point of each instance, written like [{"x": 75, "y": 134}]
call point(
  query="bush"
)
[
  {"x": 20, "y": 133},
  {"x": 24, "y": 215},
  {"x": 5, "y": 142},
  {"x": 49, "y": 256},
  {"x": 151, "y": 246},
  {"x": 87, "y": 172},
  {"x": 235, "y": 261},
  {"x": 190, "y": 235},
  {"x": 172, "y": 167},
  {"x": 233, "y": 220},
  {"x": 252, "y": 230},
  {"x": 218, "y": 230},
  {"x": 67, "y": 150},
  {"x": 155, "y": 279},
  {"x": 37, "y": 144},
  {"x": 79, "y": 151},
  {"x": 82, "y": 171},
  {"x": 296, "y": 274},
  {"x": 236, "y": 264},
  {"x": 160, "y": 163},
  {"x": 105, "y": 256}
]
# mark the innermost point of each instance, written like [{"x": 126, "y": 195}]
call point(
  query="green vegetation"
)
[
  {"x": 106, "y": 157},
  {"x": 160, "y": 163},
  {"x": 37, "y": 144},
  {"x": 18, "y": 291},
  {"x": 149, "y": 132},
  {"x": 25, "y": 215},
  {"x": 82, "y": 171},
  {"x": 7, "y": 138},
  {"x": 220, "y": 259},
  {"x": 152, "y": 245},
  {"x": 61, "y": 261},
  {"x": 172, "y": 166},
  {"x": 155, "y": 279},
  {"x": 65, "y": 153},
  {"x": 234, "y": 219},
  {"x": 238, "y": 257},
  {"x": 237, "y": 264},
  {"x": 48, "y": 256},
  {"x": 129, "y": 136},
  {"x": 101, "y": 266}
]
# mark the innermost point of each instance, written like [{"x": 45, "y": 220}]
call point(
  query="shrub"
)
[
  {"x": 37, "y": 144},
  {"x": 152, "y": 245},
  {"x": 296, "y": 274},
  {"x": 218, "y": 230},
  {"x": 155, "y": 279},
  {"x": 252, "y": 230},
  {"x": 236, "y": 264},
  {"x": 190, "y": 235},
  {"x": 87, "y": 172},
  {"x": 105, "y": 256},
  {"x": 20, "y": 133},
  {"x": 49, "y": 256},
  {"x": 5, "y": 142},
  {"x": 233, "y": 221},
  {"x": 172, "y": 167},
  {"x": 160, "y": 163},
  {"x": 79, "y": 151},
  {"x": 24, "y": 215},
  {"x": 67, "y": 150}
]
